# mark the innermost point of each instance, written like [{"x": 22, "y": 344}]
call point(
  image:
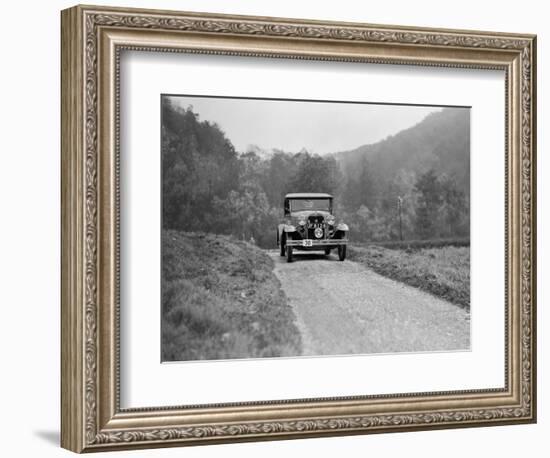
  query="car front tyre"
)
[
  {"x": 288, "y": 254},
  {"x": 327, "y": 251},
  {"x": 282, "y": 246},
  {"x": 342, "y": 252}
]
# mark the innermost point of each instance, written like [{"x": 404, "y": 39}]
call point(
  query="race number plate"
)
[{"x": 307, "y": 242}]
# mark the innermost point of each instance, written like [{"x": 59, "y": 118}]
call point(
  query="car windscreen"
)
[{"x": 298, "y": 205}]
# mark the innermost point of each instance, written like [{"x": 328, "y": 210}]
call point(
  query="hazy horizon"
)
[{"x": 289, "y": 125}]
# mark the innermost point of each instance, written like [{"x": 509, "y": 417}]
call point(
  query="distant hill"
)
[{"x": 441, "y": 142}]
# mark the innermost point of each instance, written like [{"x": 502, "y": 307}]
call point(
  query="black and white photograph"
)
[{"x": 313, "y": 228}]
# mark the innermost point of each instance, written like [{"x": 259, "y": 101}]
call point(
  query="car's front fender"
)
[
  {"x": 342, "y": 227},
  {"x": 285, "y": 228}
]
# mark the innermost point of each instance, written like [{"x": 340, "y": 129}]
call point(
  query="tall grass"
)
[
  {"x": 221, "y": 300},
  {"x": 417, "y": 244},
  {"x": 444, "y": 271}
]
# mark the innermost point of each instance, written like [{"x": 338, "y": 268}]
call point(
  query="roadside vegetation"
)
[
  {"x": 443, "y": 271},
  {"x": 221, "y": 300},
  {"x": 418, "y": 244}
]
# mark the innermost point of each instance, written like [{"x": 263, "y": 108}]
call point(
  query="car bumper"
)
[{"x": 308, "y": 243}]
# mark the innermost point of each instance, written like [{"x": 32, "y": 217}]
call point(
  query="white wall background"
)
[{"x": 30, "y": 213}]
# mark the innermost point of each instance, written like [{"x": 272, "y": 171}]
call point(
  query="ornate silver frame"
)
[{"x": 92, "y": 38}]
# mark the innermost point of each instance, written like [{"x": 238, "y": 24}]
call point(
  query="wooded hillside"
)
[
  {"x": 209, "y": 186},
  {"x": 424, "y": 169}
]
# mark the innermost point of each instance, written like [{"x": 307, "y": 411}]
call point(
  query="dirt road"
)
[{"x": 343, "y": 308}]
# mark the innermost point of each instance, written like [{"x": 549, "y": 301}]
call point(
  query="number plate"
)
[{"x": 307, "y": 242}]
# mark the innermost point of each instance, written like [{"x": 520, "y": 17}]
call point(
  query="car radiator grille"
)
[{"x": 313, "y": 223}]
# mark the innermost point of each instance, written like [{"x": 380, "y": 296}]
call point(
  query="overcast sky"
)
[{"x": 320, "y": 127}]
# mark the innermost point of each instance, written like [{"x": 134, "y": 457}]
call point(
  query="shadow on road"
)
[{"x": 298, "y": 256}]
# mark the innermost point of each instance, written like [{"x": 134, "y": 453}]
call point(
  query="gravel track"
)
[{"x": 345, "y": 308}]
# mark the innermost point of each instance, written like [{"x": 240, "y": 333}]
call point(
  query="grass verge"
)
[
  {"x": 443, "y": 272},
  {"x": 221, "y": 300},
  {"x": 417, "y": 244}
]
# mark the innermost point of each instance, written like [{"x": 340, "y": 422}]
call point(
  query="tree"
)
[
  {"x": 198, "y": 164},
  {"x": 278, "y": 173},
  {"x": 360, "y": 191},
  {"x": 351, "y": 198},
  {"x": 315, "y": 174},
  {"x": 370, "y": 225},
  {"x": 429, "y": 199},
  {"x": 366, "y": 185},
  {"x": 455, "y": 213}
]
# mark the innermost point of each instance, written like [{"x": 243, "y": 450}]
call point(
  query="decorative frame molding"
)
[{"x": 92, "y": 38}]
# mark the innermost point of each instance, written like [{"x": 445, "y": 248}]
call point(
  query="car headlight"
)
[
  {"x": 301, "y": 222},
  {"x": 330, "y": 222}
]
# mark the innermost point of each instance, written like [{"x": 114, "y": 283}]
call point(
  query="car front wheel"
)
[
  {"x": 327, "y": 251},
  {"x": 289, "y": 254},
  {"x": 282, "y": 246},
  {"x": 342, "y": 252}
]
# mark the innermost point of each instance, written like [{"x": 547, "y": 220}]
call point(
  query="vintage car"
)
[{"x": 309, "y": 225}]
